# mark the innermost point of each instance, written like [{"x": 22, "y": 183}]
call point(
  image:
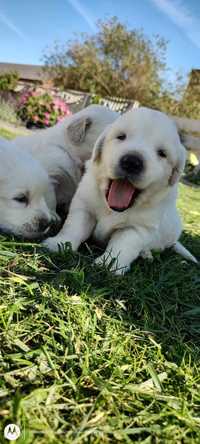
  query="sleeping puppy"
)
[
  {"x": 63, "y": 148},
  {"x": 127, "y": 197},
  {"x": 26, "y": 198}
]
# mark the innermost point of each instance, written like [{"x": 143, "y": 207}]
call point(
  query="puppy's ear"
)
[
  {"x": 96, "y": 156},
  {"x": 77, "y": 129},
  {"x": 177, "y": 170},
  {"x": 98, "y": 147},
  {"x": 174, "y": 176},
  {"x": 64, "y": 188}
]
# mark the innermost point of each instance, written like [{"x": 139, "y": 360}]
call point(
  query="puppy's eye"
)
[
  {"x": 121, "y": 136},
  {"x": 22, "y": 198},
  {"x": 162, "y": 153}
]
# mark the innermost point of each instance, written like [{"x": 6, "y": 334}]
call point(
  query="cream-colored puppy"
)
[
  {"x": 26, "y": 197},
  {"x": 127, "y": 197},
  {"x": 191, "y": 142},
  {"x": 63, "y": 148}
]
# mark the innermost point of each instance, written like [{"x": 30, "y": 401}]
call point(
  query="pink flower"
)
[
  {"x": 35, "y": 118},
  {"x": 47, "y": 115},
  {"x": 23, "y": 98},
  {"x": 34, "y": 93},
  {"x": 46, "y": 121},
  {"x": 59, "y": 119},
  {"x": 56, "y": 101},
  {"x": 61, "y": 106}
]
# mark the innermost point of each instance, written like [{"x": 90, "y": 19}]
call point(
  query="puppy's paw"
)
[
  {"x": 146, "y": 254},
  {"x": 112, "y": 264},
  {"x": 120, "y": 270},
  {"x": 102, "y": 260},
  {"x": 54, "y": 243}
]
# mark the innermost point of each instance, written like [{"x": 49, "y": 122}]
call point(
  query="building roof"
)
[{"x": 25, "y": 72}]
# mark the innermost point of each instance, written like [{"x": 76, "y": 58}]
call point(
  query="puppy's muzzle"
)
[
  {"x": 44, "y": 224},
  {"x": 132, "y": 164},
  {"x": 52, "y": 227}
]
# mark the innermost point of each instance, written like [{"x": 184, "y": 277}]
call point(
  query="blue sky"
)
[{"x": 28, "y": 27}]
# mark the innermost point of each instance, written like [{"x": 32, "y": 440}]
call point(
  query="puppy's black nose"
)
[
  {"x": 132, "y": 163},
  {"x": 43, "y": 224}
]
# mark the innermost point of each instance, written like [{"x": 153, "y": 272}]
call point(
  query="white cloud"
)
[
  {"x": 11, "y": 26},
  {"x": 181, "y": 15},
  {"x": 84, "y": 13}
]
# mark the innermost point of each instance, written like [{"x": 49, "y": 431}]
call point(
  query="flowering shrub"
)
[{"x": 41, "y": 110}]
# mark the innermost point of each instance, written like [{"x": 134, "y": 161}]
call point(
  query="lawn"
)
[
  {"x": 6, "y": 133},
  {"x": 87, "y": 357}
]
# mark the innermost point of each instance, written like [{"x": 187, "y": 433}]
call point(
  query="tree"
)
[{"x": 114, "y": 62}]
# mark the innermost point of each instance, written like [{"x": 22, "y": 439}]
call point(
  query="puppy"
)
[
  {"x": 26, "y": 198},
  {"x": 127, "y": 197},
  {"x": 191, "y": 142},
  {"x": 63, "y": 148}
]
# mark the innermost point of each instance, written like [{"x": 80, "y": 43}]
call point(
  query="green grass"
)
[
  {"x": 12, "y": 133},
  {"x": 87, "y": 357},
  {"x": 7, "y": 133},
  {"x": 8, "y": 113}
]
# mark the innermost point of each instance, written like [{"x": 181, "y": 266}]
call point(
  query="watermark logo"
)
[{"x": 12, "y": 432}]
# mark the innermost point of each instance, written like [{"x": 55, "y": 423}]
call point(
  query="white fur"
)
[
  {"x": 153, "y": 221},
  {"x": 47, "y": 167},
  {"x": 63, "y": 148},
  {"x": 190, "y": 142},
  {"x": 21, "y": 175}
]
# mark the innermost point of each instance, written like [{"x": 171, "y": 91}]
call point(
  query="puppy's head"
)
[
  {"x": 138, "y": 158},
  {"x": 24, "y": 185},
  {"x": 84, "y": 127}
]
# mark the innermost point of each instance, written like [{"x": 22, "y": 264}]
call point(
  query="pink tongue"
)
[{"x": 120, "y": 194}]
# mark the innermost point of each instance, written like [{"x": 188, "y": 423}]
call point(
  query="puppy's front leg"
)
[
  {"x": 123, "y": 248},
  {"x": 76, "y": 229}
]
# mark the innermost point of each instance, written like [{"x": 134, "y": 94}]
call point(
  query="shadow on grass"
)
[{"x": 161, "y": 297}]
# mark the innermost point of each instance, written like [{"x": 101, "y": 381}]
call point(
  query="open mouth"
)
[{"x": 121, "y": 194}]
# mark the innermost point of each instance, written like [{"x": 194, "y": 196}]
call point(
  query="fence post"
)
[{"x": 86, "y": 101}]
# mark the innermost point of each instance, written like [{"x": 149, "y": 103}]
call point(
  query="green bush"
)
[
  {"x": 8, "y": 81},
  {"x": 95, "y": 99}
]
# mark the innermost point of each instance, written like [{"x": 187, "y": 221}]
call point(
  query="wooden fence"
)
[{"x": 75, "y": 99}]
